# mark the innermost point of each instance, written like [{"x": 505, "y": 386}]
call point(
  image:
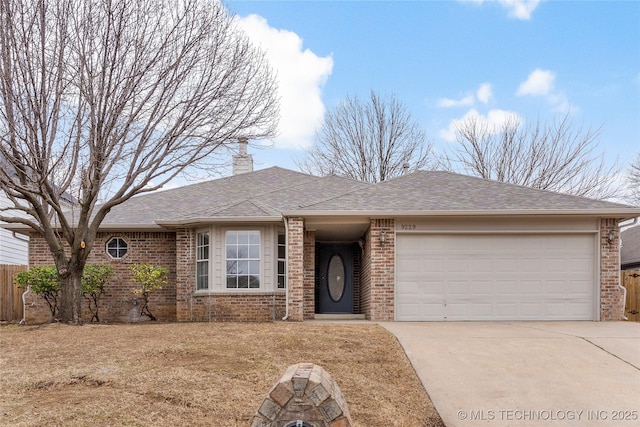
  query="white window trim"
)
[
  {"x": 210, "y": 261},
  {"x": 223, "y": 260},
  {"x": 106, "y": 248}
]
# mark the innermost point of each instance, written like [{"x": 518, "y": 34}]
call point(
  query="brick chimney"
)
[{"x": 242, "y": 162}]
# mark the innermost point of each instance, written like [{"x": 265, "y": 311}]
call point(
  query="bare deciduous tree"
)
[
  {"x": 369, "y": 141},
  {"x": 106, "y": 99},
  {"x": 634, "y": 181},
  {"x": 555, "y": 157}
]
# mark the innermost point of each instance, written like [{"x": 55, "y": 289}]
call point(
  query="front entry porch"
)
[{"x": 343, "y": 268}]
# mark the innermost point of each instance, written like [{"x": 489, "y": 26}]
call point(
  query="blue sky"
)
[{"x": 447, "y": 60}]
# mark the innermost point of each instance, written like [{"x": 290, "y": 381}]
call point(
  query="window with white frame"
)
[
  {"x": 282, "y": 261},
  {"x": 202, "y": 261},
  {"x": 117, "y": 248},
  {"x": 243, "y": 259}
]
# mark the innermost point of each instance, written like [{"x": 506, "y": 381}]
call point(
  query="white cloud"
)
[
  {"x": 542, "y": 83},
  {"x": 484, "y": 93},
  {"x": 493, "y": 122},
  {"x": 301, "y": 76},
  {"x": 539, "y": 83},
  {"x": 561, "y": 104},
  {"x": 467, "y": 101},
  {"x": 519, "y": 9}
]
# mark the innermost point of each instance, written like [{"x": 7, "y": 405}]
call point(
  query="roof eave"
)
[
  {"x": 193, "y": 222},
  {"x": 622, "y": 213},
  {"x": 25, "y": 229}
]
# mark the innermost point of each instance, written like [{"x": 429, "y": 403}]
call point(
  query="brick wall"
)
[
  {"x": 295, "y": 269},
  {"x": 118, "y": 303},
  {"x": 357, "y": 260},
  {"x": 365, "y": 277},
  {"x": 309, "y": 275},
  {"x": 235, "y": 307},
  {"x": 185, "y": 276},
  {"x": 611, "y": 293},
  {"x": 378, "y": 272}
]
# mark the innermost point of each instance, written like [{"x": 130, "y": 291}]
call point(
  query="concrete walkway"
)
[{"x": 528, "y": 373}]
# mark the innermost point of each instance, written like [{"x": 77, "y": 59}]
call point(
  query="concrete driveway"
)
[{"x": 528, "y": 373}]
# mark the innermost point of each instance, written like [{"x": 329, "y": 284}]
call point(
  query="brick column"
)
[
  {"x": 185, "y": 274},
  {"x": 381, "y": 269},
  {"x": 611, "y": 292},
  {"x": 309, "y": 275},
  {"x": 295, "y": 269}
]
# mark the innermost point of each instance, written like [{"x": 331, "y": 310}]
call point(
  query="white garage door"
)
[{"x": 495, "y": 277}]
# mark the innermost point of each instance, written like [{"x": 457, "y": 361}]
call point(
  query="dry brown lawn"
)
[{"x": 214, "y": 374}]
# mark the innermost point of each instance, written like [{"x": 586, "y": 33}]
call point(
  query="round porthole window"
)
[{"x": 117, "y": 247}]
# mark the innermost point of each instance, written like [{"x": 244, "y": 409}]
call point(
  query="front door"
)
[{"x": 335, "y": 278}]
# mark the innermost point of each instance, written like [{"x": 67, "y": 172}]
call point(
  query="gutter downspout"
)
[
  {"x": 26, "y": 239},
  {"x": 24, "y": 306},
  {"x": 624, "y": 290},
  {"x": 633, "y": 222},
  {"x": 286, "y": 263}
]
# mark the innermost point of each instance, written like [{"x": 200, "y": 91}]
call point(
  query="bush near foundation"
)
[
  {"x": 150, "y": 278},
  {"x": 94, "y": 279},
  {"x": 43, "y": 281}
]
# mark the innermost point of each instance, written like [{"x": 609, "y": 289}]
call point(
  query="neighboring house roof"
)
[
  {"x": 66, "y": 199},
  {"x": 630, "y": 250}
]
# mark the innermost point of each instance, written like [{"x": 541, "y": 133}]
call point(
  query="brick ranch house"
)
[{"x": 428, "y": 246}]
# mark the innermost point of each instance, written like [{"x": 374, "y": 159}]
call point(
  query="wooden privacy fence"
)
[
  {"x": 631, "y": 281},
  {"x": 10, "y": 294}
]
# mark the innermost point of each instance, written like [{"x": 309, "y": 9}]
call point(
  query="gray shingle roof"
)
[
  {"x": 270, "y": 193},
  {"x": 263, "y": 193},
  {"x": 630, "y": 251},
  {"x": 449, "y": 192}
]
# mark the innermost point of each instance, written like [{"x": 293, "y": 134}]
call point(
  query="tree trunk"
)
[{"x": 71, "y": 296}]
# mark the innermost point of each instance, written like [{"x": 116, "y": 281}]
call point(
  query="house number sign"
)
[{"x": 407, "y": 226}]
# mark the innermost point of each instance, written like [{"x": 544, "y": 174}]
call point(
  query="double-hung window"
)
[
  {"x": 202, "y": 261},
  {"x": 243, "y": 259}
]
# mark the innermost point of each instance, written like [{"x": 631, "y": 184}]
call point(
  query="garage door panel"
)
[
  {"x": 424, "y": 310},
  {"x": 458, "y": 288},
  {"x": 576, "y": 264},
  {"x": 482, "y": 265},
  {"x": 530, "y": 264},
  {"x": 555, "y": 265},
  {"x": 530, "y": 287},
  {"x": 506, "y": 264},
  {"x": 531, "y": 310},
  {"x": 579, "y": 288},
  {"x": 502, "y": 288},
  {"x": 505, "y": 309},
  {"x": 496, "y": 277}
]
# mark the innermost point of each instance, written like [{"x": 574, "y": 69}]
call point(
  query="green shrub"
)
[
  {"x": 94, "y": 279},
  {"x": 150, "y": 278},
  {"x": 43, "y": 281}
]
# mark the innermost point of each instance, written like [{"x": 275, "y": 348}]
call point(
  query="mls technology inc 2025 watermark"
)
[{"x": 548, "y": 415}]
